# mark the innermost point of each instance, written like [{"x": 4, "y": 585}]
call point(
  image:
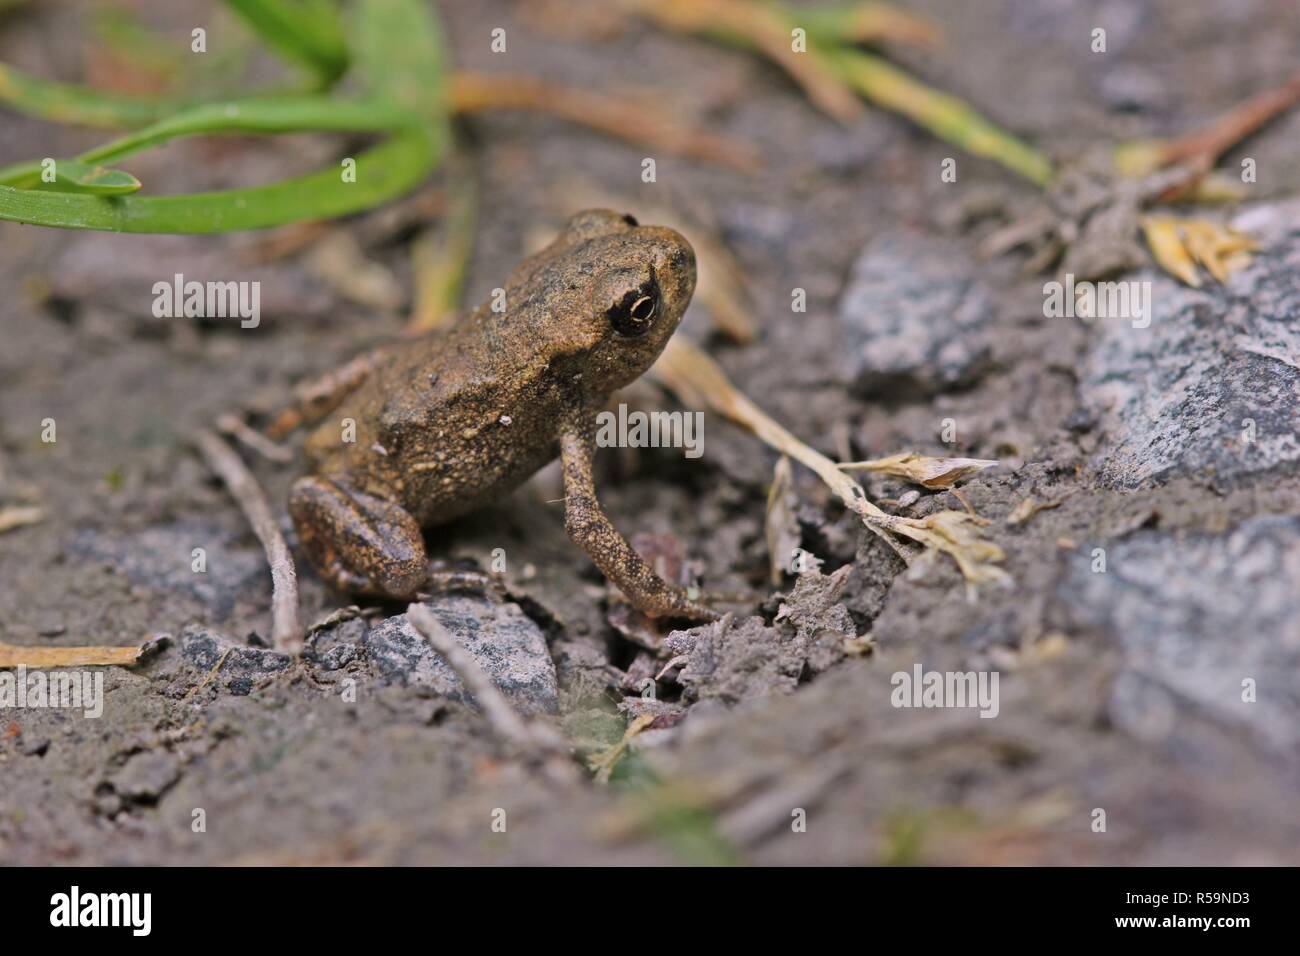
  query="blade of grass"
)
[
  {"x": 868, "y": 22},
  {"x": 288, "y": 114},
  {"x": 74, "y": 177},
  {"x": 757, "y": 26},
  {"x": 440, "y": 257},
  {"x": 399, "y": 51},
  {"x": 308, "y": 32},
  {"x": 947, "y": 117},
  {"x": 383, "y": 173},
  {"x": 79, "y": 105}
]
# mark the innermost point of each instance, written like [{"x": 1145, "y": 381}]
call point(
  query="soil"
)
[{"x": 1121, "y": 692}]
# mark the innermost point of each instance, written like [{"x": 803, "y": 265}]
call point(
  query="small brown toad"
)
[{"x": 444, "y": 426}]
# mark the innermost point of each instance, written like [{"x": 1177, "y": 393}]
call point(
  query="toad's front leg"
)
[{"x": 590, "y": 528}]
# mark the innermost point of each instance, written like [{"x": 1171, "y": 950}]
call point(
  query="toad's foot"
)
[{"x": 359, "y": 543}]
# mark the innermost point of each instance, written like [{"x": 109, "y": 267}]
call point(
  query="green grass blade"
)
[
  {"x": 400, "y": 53},
  {"x": 287, "y": 114},
  {"x": 305, "y": 31},
  {"x": 78, "y": 105},
  {"x": 71, "y": 176},
  {"x": 947, "y": 117},
  {"x": 383, "y": 173}
]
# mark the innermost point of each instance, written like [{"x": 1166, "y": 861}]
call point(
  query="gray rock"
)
[
  {"x": 160, "y": 558},
  {"x": 243, "y": 665},
  {"x": 913, "y": 317},
  {"x": 507, "y": 644},
  {"x": 1194, "y": 616},
  {"x": 1178, "y": 397}
]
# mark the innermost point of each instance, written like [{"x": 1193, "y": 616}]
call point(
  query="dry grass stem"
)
[
  {"x": 698, "y": 381},
  {"x": 603, "y": 762},
  {"x": 286, "y": 632}
]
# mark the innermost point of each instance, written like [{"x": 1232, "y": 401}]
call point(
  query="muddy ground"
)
[{"x": 1120, "y": 690}]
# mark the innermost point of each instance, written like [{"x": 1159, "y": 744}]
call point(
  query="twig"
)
[
  {"x": 1202, "y": 147},
  {"x": 14, "y": 655},
  {"x": 238, "y": 429},
  {"x": 286, "y": 633}
]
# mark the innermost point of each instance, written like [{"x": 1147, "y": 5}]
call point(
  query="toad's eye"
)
[{"x": 635, "y": 310}]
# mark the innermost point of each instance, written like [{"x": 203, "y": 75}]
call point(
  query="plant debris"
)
[
  {"x": 15, "y": 655},
  {"x": 1028, "y": 508},
  {"x": 697, "y": 380},
  {"x": 20, "y": 516},
  {"x": 1178, "y": 245},
  {"x": 933, "y": 473}
]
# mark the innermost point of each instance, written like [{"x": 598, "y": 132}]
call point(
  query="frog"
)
[{"x": 423, "y": 431}]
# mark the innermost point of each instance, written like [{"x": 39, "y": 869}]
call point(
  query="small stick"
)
[
  {"x": 286, "y": 633},
  {"x": 1202, "y": 147},
  {"x": 503, "y": 718},
  {"x": 238, "y": 429},
  {"x": 14, "y": 655}
]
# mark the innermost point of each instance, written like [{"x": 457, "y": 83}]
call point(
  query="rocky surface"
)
[
  {"x": 503, "y": 640},
  {"x": 1207, "y": 624},
  {"x": 1212, "y": 387},
  {"x": 913, "y": 317}
]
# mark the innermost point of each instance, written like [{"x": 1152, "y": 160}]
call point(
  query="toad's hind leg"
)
[{"x": 359, "y": 543}]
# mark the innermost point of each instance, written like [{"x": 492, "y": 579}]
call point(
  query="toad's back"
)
[{"x": 444, "y": 426}]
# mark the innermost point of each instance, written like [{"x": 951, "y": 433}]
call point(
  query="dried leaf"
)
[
  {"x": 1220, "y": 249},
  {"x": 440, "y": 257},
  {"x": 765, "y": 29},
  {"x": 1178, "y": 244},
  {"x": 933, "y": 473},
  {"x": 633, "y": 119},
  {"x": 1168, "y": 250}
]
